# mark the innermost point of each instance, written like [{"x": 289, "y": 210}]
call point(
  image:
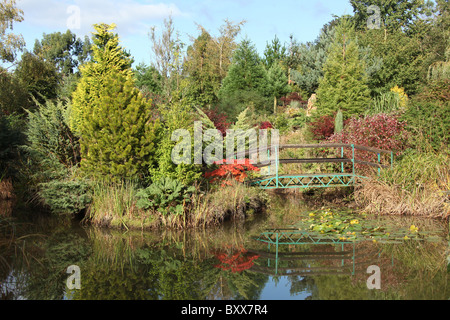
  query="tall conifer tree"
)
[
  {"x": 111, "y": 115},
  {"x": 107, "y": 58},
  {"x": 344, "y": 85}
]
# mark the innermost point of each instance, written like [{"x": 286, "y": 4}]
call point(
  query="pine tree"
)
[
  {"x": 277, "y": 83},
  {"x": 247, "y": 72},
  {"x": 344, "y": 83},
  {"x": 110, "y": 114},
  {"x": 107, "y": 58},
  {"x": 246, "y": 81},
  {"x": 117, "y": 133},
  {"x": 274, "y": 53}
]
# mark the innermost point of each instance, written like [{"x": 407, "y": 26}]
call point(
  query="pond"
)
[{"x": 51, "y": 260}]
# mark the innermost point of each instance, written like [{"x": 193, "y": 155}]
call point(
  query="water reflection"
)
[{"x": 222, "y": 264}]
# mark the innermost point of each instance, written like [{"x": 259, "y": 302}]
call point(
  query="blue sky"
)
[{"x": 134, "y": 18}]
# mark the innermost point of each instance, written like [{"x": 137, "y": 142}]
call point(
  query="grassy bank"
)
[
  {"x": 116, "y": 206},
  {"x": 418, "y": 185}
]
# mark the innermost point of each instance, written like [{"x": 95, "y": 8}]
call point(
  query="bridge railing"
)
[{"x": 275, "y": 151}]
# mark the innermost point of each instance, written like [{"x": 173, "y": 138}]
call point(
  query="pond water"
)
[{"x": 224, "y": 263}]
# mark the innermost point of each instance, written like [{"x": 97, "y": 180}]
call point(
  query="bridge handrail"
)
[{"x": 312, "y": 146}]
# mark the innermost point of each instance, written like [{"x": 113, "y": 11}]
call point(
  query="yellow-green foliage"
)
[
  {"x": 108, "y": 58},
  {"x": 402, "y": 96},
  {"x": 118, "y": 137}
]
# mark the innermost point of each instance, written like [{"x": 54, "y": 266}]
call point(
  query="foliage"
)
[
  {"x": 246, "y": 78},
  {"x": 428, "y": 116},
  {"x": 64, "y": 50},
  {"x": 219, "y": 119},
  {"x": 11, "y": 138},
  {"x": 388, "y": 102},
  {"x": 175, "y": 116},
  {"x": 49, "y": 136},
  {"x": 312, "y": 57},
  {"x": 274, "y": 53},
  {"x": 417, "y": 185},
  {"x": 166, "y": 196},
  {"x": 167, "y": 51},
  {"x": 300, "y": 120},
  {"x": 147, "y": 76},
  {"x": 246, "y": 72},
  {"x": 344, "y": 85},
  {"x": 237, "y": 170},
  {"x": 66, "y": 197},
  {"x": 403, "y": 60},
  {"x": 394, "y": 15},
  {"x": 294, "y": 99},
  {"x": 402, "y": 96},
  {"x": 9, "y": 42},
  {"x": 110, "y": 114},
  {"x": 53, "y": 153},
  {"x": 380, "y": 131},
  {"x": 277, "y": 83},
  {"x": 347, "y": 226},
  {"x": 339, "y": 122},
  {"x": 235, "y": 102},
  {"x": 281, "y": 122},
  {"x": 108, "y": 58},
  {"x": 148, "y": 79},
  {"x": 122, "y": 144},
  {"x": 322, "y": 128},
  {"x": 203, "y": 80},
  {"x": 38, "y": 77},
  {"x": 13, "y": 93},
  {"x": 418, "y": 169},
  {"x": 113, "y": 204},
  {"x": 265, "y": 125}
]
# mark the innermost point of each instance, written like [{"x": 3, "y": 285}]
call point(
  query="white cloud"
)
[{"x": 130, "y": 16}]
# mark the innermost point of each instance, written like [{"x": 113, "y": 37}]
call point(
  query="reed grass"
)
[
  {"x": 230, "y": 202},
  {"x": 417, "y": 185},
  {"x": 388, "y": 102},
  {"x": 114, "y": 205}
]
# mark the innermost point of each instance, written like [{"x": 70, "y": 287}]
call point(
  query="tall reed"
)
[
  {"x": 384, "y": 103},
  {"x": 112, "y": 203},
  {"x": 417, "y": 185}
]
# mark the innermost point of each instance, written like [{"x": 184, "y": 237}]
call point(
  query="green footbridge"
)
[{"x": 347, "y": 177}]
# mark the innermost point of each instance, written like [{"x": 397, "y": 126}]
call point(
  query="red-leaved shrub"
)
[
  {"x": 381, "y": 131},
  {"x": 236, "y": 170},
  {"x": 322, "y": 128},
  {"x": 219, "y": 120},
  {"x": 294, "y": 96},
  {"x": 265, "y": 125}
]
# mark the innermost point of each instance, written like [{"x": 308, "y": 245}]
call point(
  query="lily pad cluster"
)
[{"x": 350, "y": 226}]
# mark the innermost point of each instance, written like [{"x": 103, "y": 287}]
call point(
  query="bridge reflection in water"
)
[{"x": 306, "y": 255}]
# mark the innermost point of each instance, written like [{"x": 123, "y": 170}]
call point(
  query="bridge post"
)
[
  {"x": 353, "y": 160},
  {"x": 276, "y": 163},
  {"x": 379, "y": 163},
  {"x": 342, "y": 156},
  {"x": 268, "y": 159}
]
